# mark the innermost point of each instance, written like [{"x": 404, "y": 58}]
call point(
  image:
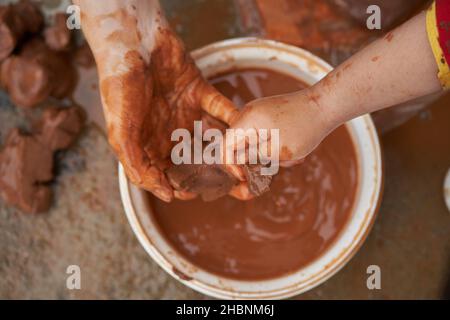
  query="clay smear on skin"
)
[{"x": 389, "y": 37}]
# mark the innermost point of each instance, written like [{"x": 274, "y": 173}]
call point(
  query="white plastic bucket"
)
[{"x": 256, "y": 53}]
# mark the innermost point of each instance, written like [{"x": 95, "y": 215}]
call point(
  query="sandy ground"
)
[{"x": 86, "y": 226}]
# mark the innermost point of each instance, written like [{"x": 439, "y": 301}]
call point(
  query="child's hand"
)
[{"x": 301, "y": 120}]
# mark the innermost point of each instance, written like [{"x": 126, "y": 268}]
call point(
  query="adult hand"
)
[{"x": 149, "y": 86}]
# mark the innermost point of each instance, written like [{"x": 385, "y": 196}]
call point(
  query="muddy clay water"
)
[{"x": 281, "y": 231}]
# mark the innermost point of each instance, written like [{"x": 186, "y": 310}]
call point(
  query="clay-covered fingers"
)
[
  {"x": 241, "y": 192},
  {"x": 142, "y": 174},
  {"x": 219, "y": 107},
  {"x": 230, "y": 166},
  {"x": 150, "y": 179},
  {"x": 216, "y": 104},
  {"x": 184, "y": 195},
  {"x": 250, "y": 140},
  {"x": 283, "y": 126}
]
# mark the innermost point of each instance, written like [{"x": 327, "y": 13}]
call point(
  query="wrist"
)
[{"x": 327, "y": 105}]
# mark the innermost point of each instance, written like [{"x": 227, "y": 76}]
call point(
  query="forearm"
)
[
  {"x": 397, "y": 68},
  {"x": 122, "y": 36},
  {"x": 113, "y": 28}
]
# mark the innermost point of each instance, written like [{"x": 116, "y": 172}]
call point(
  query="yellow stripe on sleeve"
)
[{"x": 433, "y": 38}]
